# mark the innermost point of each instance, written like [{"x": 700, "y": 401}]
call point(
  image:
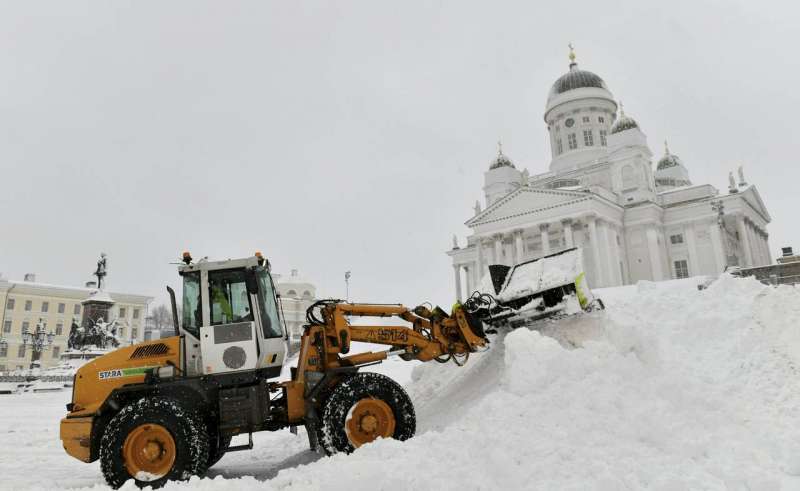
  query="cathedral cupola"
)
[
  {"x": 575, "y": 78},
  {"x": 670, "y": 171},
  {"x": 578, "y": 113},
  {"x": 501, "y": 160},
  {"x": 624, "y": 122},
  {"x": 501, "y": 178}
]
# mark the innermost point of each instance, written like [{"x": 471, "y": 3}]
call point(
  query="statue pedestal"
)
[{"x": 97, "y": 306}]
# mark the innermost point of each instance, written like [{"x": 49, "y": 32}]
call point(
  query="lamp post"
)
[
  {"x": 39, "y": 341},
  {"x": 3, "y": 345},
  {"x": 347, "y": 284}
]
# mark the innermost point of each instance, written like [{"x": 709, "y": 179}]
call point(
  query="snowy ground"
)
[{"x": 668, "y": 389}]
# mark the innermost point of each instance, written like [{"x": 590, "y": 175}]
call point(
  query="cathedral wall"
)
[{"x": 638, "y": 255}]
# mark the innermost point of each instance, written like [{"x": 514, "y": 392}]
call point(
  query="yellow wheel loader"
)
[{"x": 167, "y": 409}]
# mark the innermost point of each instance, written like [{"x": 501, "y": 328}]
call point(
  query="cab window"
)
[
  {"x": 269, "y": 317},
  {"x": 228, "y": 298},
  {"x": 192, "y": 314}
]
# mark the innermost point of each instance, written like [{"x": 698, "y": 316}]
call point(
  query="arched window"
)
[
  {"x": 291, "y": 293},
  {"x": 307, "y": 295}
]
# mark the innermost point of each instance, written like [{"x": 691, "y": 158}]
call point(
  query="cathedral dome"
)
[
  {"x": 668, "y": 160},
  {"x": 670, "y": 172},
  {"x": 624, "y": 122},
  {"x": 501, "y": 160},
  {"x": 576, "y": 78}
]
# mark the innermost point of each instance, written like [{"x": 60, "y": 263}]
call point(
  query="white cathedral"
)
[{"x": 602, "y": 194}]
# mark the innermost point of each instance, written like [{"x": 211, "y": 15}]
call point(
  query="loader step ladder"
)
[{"x": 246, "y": 446}]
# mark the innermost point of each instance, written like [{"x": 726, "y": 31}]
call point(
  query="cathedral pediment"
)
[
  {"x": 752, "y": 196},
  {"x": 526, "y": 200}
]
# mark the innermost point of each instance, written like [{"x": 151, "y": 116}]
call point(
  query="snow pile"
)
[{"x": 670, "y": 388}]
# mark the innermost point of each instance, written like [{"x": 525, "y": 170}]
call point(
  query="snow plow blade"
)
[{"x": 550, "y": 286}]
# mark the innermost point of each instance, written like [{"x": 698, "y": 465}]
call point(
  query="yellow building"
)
[{"x": 28, "y": 302}]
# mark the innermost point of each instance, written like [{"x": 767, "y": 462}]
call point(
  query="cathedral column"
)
[
  {"x": 744, "y": 241},
  {"x": 691, "y": 246},
  {"x": 511, "y": 249},
  {"x": 758, "y": 239},
  {"x": 605, "y": 245},
  {"x": 616, "y": 257},
  {"x": 518, "y": 245},
  {"x": 623, "y": 252},
  {"x": 760, "y": 244},
  {"x": 481, "y": 261},
  {"x": 716, "y": 243},
  {"x": 544, "y": 228},
  {"x": 655, "y": 259},
  {"x": 751, "y": 240},
  {"x": 593, "y": 243},
  {"x": 766, "y": 246},
  {"x": 569, "y": 239},
  {"x": 498, "y": 248},
  {"x": 457, "y": 271}
]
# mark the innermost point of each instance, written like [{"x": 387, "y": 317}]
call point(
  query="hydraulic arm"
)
[{"x": 324, "y": 347}]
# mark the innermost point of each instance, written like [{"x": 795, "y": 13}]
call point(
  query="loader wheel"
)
[
  {"x": 362, "y": 408},
  {"x": 153, "y": 441}
]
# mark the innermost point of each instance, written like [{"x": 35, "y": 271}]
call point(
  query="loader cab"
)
[{"x": 230, "y": 319}]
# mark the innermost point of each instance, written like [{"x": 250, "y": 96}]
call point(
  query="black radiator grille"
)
[{"x": 149, "y": 350}]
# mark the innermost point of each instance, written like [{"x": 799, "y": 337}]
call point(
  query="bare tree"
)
[{"x": 162, "y": 318}]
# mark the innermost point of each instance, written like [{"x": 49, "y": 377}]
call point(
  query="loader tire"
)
[
  {"x": 152, "y": 441},
  {"x": 362, "y": 408}
]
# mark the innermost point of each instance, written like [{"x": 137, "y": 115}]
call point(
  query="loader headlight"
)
[{"x": 167, "y": 371}]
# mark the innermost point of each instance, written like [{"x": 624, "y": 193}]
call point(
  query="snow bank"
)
[{"x": 670, "y": 388}]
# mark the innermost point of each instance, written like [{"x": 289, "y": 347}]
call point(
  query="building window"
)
[
  {"x": 28, "y": 305},
  {"x": 26, "y": 326},
  {"x": 59, "y": 329},
  {"x": 122, "y": 312},
  {"x": 61, "y": 308},
  {"x": 601, "y": 119},
  {"x": 45, "y": 306},
  {"x": 56, "y": 351},
  {"x": 572, "y": 141},
  {"x": 134, "y": 333},
  {"x": 135, "y": 313},
  {"x": 3, "y": 351},
  {"x": 681, "y": 269},
  {"x": 122, "y": 332},
  {"x": 676, "y": 239},
  {"x": 588, "y": 138},
  {"x": 586, "y": 119},
  {"x": 77, "y": 309},
  {"x": 603, "y": 138},
  {"x": 559, "y": 147},
  {"x": 10, "y": 304},
  {"x": 21, "y": 351},
  {"x": 7, "y": 326}
]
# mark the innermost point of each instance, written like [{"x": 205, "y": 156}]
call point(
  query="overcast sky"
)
[{"x": 340, "y": 136}]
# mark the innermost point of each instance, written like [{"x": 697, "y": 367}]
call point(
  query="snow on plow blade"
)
[{"x": 553, "y": 285}]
